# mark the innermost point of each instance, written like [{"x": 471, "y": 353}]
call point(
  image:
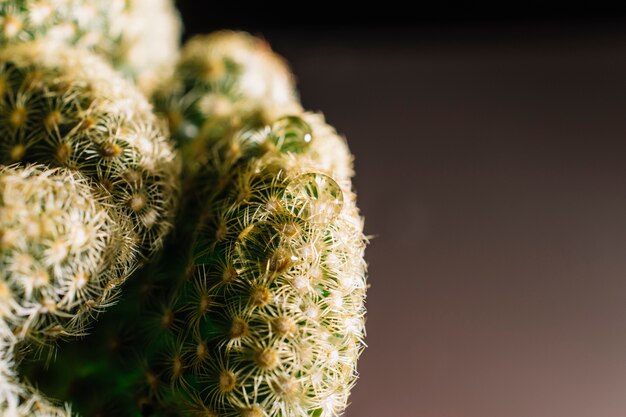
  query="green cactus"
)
[
  {"x": 64, "y": 252},
  {"x": 139, "y": 36},
  {"x": 63, "y": 255},
  {"x": 224, "y": 82},
  {"x": 271, "y": 322},
  {"x": 65, "y": 107}
]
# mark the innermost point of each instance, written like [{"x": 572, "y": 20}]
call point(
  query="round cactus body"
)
[
  {"x": 138, "y": 36},
  {"x": 63, "y": 252},
  {"x": 271, "y": 321},
  {"x": 67, "y": 108},
  {"x": 224, "y": 82}
]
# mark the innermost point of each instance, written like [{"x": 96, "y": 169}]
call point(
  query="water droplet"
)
[
  {"x": 314, "y": 197},
  {"x": 255, "y": 247},
  {"x": 291, "y": 134}
]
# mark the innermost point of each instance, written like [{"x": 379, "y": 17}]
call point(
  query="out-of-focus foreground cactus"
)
[
  {"x": 139, "y": 36},
  {"x": 64, "y": 252},
  {"x": 255, "y": 306}
]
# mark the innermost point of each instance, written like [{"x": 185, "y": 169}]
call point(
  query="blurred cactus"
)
[
  {"x": 138, "y": 36},
  {"x": 224, "y": 82},
  {"x": 65, "y": 107},
  {"x": 16, "y": 398}
]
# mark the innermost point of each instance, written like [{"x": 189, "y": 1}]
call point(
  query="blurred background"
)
[{"x": 491, "y": 171}]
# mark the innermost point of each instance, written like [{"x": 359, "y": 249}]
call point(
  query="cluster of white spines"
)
[
  {"x": 74, "y": 227},
  {"x": 16, "y": 398},
  {"x": 66, "y": 107},
  {"x": 149, "y": 42},
  {"x": 63, "y": 251},
  {"x": 108, "y": 27},
  {"x": 287, "y": 294},
  {"x": 223, "y": 82}
]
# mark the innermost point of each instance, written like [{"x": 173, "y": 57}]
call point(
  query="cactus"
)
[
  {"x": 65, "y": 107},
  {"x": 64, "y": 252},
  {"x": 271, "y": 322},
  {"x": 138, "y": 36},
  {"x": 149, "y": 41},
  {"x": 224, "y": 82},
  {"x": 18, "y": 399}
]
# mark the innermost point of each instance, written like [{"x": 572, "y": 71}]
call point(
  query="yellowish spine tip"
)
[
  {"x": 53, "y": 119},
  {"x": 254, "y": 411},
  {"x": 17, "y": 152},
  {"x": 63, "y": 153},
  {"x": 283, "y": 325},
  {"x": 12, "y": 26},
  {"x": 137, "y": 202},
  {"x": 110, "y": 150},
  {"x": 230, "y": 275},
  {"x": 260, "y": 296}
]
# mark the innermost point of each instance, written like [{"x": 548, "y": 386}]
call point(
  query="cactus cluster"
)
[
  {"x": 224, "y": 82},
  {"x": 88, "y": 181},
  {"x": 253, "y": 306},
  {"x": 265, "y": 318}
]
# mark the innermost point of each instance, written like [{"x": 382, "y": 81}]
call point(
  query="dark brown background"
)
[{"x": 491, "y": 167}]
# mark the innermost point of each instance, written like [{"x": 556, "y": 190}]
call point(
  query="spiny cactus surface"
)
[
  {"x": 138, "y": 36},
  {"x": 271, "y": 322},
  {"x": 63, "y": 252},
  {"x": 65, "y": 107},
  {"x": 256, "y": 308},
  {"x": 224, "y": 82}
]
